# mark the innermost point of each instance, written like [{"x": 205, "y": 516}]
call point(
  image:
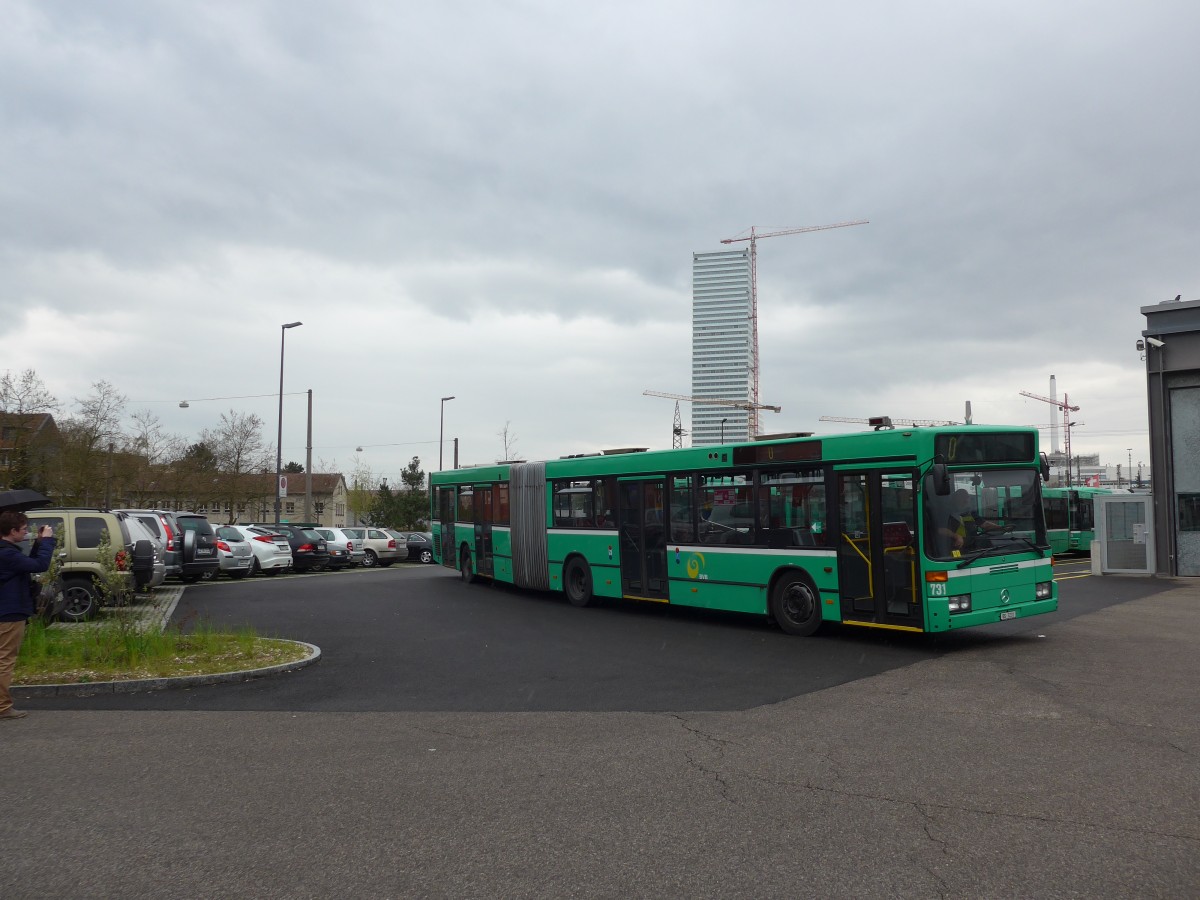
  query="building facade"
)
[
  {"x": 722, "y": 345},
  {"x": 1171, "y": 346}
]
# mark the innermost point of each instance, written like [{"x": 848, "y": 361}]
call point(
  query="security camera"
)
[{"x": 1155, "y": 342}]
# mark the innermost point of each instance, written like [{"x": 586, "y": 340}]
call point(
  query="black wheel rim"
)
[
  {"x": 798, "y": 603},
  {"x": 79, "y": 601}
]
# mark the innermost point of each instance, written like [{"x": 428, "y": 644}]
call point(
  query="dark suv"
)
[
  {"x": 199, "y": 554},
  {"x": 309, "y": 550}
]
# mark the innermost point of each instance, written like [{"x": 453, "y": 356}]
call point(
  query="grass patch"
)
[{"x": 109, "y": 651}]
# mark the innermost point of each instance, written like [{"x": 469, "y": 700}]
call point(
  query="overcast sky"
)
[{"x": 500, "y": 202}]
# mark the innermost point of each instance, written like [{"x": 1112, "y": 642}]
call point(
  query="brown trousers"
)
[{"x": 11, "y": 635}]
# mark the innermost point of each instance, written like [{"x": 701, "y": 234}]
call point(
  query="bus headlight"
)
[
  {"x": 960, "y": 603},
  {"x": 1043, "y": 590}
]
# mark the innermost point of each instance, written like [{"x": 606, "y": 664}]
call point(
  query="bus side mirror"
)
[
  {"x": 1045, "y": 469},
  {"x": 941, "y": 479}
]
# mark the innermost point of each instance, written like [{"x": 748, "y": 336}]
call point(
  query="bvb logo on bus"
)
[{"x": 694, "y": 564}]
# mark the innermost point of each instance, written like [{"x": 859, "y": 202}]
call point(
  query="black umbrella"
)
[{"x": 21, "y": 500}]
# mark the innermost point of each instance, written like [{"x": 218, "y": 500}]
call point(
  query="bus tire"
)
[
  {"x": 577, "y": 582},
  {"x": 466, "y": 570},
  {"x": 795, "y": 604}
]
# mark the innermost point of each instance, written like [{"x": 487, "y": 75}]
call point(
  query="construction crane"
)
[
  {"x": 677, "y": 431},
  {"x": 878, "y": 422},
  {"x": 1065, "y": 405},
  {"x": 753, "y": 237}
]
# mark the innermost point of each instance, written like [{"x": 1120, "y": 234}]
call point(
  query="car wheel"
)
[
  {"x": 795, "y": 605},
  {"x": 370, "y": 560},
  {"x": 426, "y": 556},
  {"x": 255, "y": 568},
  {"x": 210, "y": 575},
  {"x": 81, "y": 600}
]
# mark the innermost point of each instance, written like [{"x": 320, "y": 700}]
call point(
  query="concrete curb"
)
[{"x": 136, "y": 685}]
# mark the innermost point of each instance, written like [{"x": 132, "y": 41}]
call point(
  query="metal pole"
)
[
  {"x": 442, "y": 430},
  {"x": 308, "y": 465},
  {"x": 279, "y": 435}
]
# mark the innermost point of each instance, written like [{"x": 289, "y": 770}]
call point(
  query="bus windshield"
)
[{"x": 985, "y": 513}]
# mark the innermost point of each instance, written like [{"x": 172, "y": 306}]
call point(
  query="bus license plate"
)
[{"x": 1008, "y": 614}]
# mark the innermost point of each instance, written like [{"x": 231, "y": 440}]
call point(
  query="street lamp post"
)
[
  {"x": 279, "y": 436},
  {"x": 442, "y": 430},
  {"x": 723, "y": 421}
]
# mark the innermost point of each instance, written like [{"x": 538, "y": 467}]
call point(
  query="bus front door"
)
[
  {"x": 876, "y": 549},
  {"x": 643, "y": 540},
  {"x": 483, "y": 530}
]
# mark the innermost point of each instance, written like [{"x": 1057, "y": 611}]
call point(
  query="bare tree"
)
[
  {"x": 26, "y": 393},
  {"x": 360, "y": 494},
  {"x": 242, "y": 456},
  {"x": 509, "y": 440},
  {"x": 32, "y": 443},
  {"x": 90, "y": 439},
  {"x": 150, "y": 454}
]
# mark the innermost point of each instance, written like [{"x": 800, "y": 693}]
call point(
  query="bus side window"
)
[{"x": 683, "y": 528}]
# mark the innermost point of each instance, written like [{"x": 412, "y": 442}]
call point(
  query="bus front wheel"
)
[
  {"x": 465, "y": 568},
  {"x": 577, "y": 582},
  {"x": 795, "y": 605}
]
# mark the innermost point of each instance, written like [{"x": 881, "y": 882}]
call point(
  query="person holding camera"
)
[{"x": 16, "y": 594}]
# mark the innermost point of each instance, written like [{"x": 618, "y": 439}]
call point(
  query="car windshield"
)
[{"x": 986, "y": 513}]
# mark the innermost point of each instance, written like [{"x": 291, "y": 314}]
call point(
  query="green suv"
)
[{"x": 79, "y": 557}]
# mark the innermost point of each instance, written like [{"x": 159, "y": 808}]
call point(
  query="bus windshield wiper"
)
[{"x": 996, "y": 551}]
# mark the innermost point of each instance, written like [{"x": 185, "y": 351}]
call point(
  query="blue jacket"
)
[{"x": 16, "y": 577}]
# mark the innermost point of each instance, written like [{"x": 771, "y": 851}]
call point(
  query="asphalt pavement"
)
[{"x": 1057, "y": 759}]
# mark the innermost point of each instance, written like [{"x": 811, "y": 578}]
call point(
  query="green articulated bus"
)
[
  {"x": 1070, "y": 517},
  {"x": 920, "y": 529}
]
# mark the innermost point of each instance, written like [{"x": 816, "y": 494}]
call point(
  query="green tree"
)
[
  {"x": 382, "y": 512},
  {"x": 412, "y": 502},
  {"x": 293, "y": 468}
]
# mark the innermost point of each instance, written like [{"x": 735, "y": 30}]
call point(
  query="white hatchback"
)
[{"x": 272, "y": 552}]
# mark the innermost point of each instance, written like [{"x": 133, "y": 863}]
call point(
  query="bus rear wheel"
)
[
  {"x": 577, "y": 582},
  {"x": 795, "y": 605}
]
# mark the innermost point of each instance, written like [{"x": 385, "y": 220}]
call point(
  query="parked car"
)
[
  {"x": 234, "y": 554},
  {"x": 420, "y": 546},
  {"x": 199, "y": 547},
  {"x": 80, "y": 556},
  {"x": 309, "y": 550},
  {"x": 145, "y": 577},
  {"x": 272, "y": 552},
  {"x": 380, "y": 547},
  {"x": 162, "y": 525},
  {"x": 343, "y": 550}
]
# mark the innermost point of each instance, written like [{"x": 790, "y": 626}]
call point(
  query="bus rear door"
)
[
  {"x": 484, "y": 516},
  {"x": 447, "y": 546},
  {"x": 877, "y": 549},
  {"x": 643, "y": 539}
]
